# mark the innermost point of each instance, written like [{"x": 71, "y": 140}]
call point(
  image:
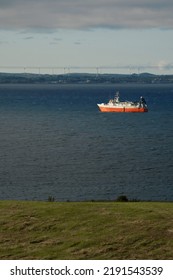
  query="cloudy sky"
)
[{"x": 85, "y": 35}]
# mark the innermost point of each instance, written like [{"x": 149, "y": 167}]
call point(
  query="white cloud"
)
[
  {"x": 84, "y": 14},
  {"x": 164, "y": 65}
]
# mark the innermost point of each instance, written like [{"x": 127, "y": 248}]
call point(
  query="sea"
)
[{"x": 55, "y": 143}]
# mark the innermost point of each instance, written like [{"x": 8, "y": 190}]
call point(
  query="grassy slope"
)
[{"x": 86, "y": 230}]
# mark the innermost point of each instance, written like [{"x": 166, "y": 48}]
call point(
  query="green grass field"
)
[{"x": 86, "y": 230}]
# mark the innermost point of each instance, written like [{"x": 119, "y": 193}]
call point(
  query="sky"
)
[{"x": 117, "y": 36}]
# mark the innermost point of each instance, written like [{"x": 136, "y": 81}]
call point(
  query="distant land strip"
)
[{"x": 85, "y": 78}]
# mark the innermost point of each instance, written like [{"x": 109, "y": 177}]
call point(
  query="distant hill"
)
[{"x": 77, "y": 78}]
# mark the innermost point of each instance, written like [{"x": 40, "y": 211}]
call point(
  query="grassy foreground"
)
[{"x": 86, "y": 230}]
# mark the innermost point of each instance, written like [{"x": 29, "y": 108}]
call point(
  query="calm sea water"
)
[{"x": 55, "y": 142}]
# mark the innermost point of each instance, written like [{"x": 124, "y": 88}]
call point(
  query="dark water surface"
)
[{"x": 55, "y": 142}]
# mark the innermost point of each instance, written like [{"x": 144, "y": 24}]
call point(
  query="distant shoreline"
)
[
  {"x": 84, "y": 78},
  {"x": 109, "y": 85}
]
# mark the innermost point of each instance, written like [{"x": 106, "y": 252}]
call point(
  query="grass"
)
[{"x": 86, "y": 230}]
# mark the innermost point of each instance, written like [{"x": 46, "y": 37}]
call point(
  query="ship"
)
[{"x": 115, "y": 105}]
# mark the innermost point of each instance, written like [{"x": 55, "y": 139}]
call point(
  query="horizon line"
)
[{"x": 130, "y": 69}]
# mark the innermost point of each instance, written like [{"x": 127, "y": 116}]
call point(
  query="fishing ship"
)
[{"x": 115, "y": 105}]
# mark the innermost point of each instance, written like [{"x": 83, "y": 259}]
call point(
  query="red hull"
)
[{"x": 123, "y": 110}]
